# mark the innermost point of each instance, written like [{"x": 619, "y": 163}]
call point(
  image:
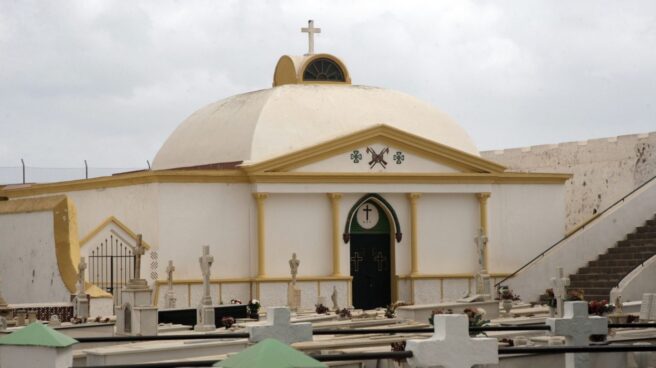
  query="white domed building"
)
[{"x": 381, "y": 196}]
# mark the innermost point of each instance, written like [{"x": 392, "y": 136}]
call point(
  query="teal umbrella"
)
[{"x": 270, "y": 353}]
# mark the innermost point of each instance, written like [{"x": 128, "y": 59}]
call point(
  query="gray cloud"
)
[{"x": 109, "y": 81}]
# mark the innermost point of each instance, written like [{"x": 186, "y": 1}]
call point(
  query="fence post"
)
[{"x": 23, "y": 165}]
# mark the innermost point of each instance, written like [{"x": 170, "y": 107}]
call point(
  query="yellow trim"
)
[
  {"x": 311, "y": 58},
  {"x": 383, "y": 134},
  {"x": 67, "y": 247},
  {"x": 115, "y": 221},
  {"x": 414, "y": 263},
  {"x": 96, "y": 292},
  {"x": 409, "y": 178},
  {"x": 482, "y": 206},
  {"x": 143, "y": 177},
  {"x": 334, "y": 207},
  {"x": 261, "y": 235},
  {"x": 289, "y": 70}
]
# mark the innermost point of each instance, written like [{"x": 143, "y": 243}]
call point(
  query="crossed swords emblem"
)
[{"x": 377, "y": 158}]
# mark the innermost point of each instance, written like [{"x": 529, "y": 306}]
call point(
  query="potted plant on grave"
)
[
  {"x": 551, "y": 301},
  {"x": 506, "y": 295},
  {"x": 321, "y": 309},
  {"x": 574, "y": 295},
  {"x": 227, "y": 322},
  {"x": 344, "y": 313},
  {"x": 438, "y": 311},
  {"x": 253, "y": 308},
  {"x": 476, "y": 318}
]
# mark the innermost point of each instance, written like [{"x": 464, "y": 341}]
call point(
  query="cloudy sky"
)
[{"x": 108, "y": 81}]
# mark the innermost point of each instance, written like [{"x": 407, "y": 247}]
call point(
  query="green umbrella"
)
[{"x": 270, "y": 353}]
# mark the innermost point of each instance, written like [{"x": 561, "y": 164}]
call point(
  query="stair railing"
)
[{"x": 575, "y": 230}]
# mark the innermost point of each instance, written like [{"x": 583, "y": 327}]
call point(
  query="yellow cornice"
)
[
  {"x": 383, "y": 134},
  {"x": 410, "y": 178},
  {"x": 143, "y": 177},
  {"x": 445, "y": 276},
  {"x": 115, "y": 221}
]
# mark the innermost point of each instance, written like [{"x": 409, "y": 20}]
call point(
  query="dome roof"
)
[{"x": 260, "y": 125}]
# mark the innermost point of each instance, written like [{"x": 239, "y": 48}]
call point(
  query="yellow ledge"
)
[{"x": 446, "y": 276}]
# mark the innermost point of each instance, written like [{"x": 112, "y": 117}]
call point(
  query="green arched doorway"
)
[{"x": 371, "y": 256}]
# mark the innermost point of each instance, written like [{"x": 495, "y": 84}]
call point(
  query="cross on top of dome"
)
[{"x": 310, "y": 30}]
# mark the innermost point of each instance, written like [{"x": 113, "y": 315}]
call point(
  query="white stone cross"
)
[
  {"x": 206, "y": 261},
  {"x": 139, "y": 250},
  {"x": 278, "y": 327},
  {"x": 560, "y": 285},
  {"x": 451, "y": 346},
  {"x": 82, "y": 266},
  {"x": 310, "y": 30},
  {"x": 169, "y": 272},
  {"x": 577, "y": 327}
]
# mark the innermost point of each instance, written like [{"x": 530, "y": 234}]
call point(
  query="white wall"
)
[
  {"x": 219, "y": 215},
  {"x": 448, "y": 225},
  {"x": 524, "y": 220},
  {"x": 301, "y": 224},
  {"x": 604, "y": 169},
  {"x": 588, "y": 243},
  {"x": 28, "y": 262}
]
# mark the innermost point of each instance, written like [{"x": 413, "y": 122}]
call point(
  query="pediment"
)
[{"x": 381, "y": 149}]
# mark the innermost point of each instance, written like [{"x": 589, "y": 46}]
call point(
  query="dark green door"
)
[{"x": 370, "y": 268}]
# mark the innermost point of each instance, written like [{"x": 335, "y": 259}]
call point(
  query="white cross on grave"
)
[
  {"x": 278, "y": 327},
  {"x": 577, "y": 327},
  {"x": 451, "y": 346},
  {"x": 310, "y": 30},
  {"x": 560, "y": 285}
]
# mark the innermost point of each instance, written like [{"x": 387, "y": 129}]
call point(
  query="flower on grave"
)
[
  {"x": 227, "y": 322},
  {"x": 439, "y": 311},
  {"x": 321, "y": 309},
  {"x": 390, "y": 311},
  {"x": 600, "y": 307},
  {"x": 399, "y": 346},
  {"x": 253, "y": 306},
  {"x": 507, "y": 294},
  {"x": 344, "y": 313},
  {"x": 476, "y": 318},
  {"x": 574, "y": 295},
  {"x": 235, "y": 301}
]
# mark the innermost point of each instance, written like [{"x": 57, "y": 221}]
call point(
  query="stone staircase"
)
[{"x": 601, "y": 275}]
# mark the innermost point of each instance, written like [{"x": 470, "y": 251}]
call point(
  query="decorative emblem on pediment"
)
[
  {"x": 356, "y": 156},
  {"x": 398, "y": 157},
  {"x": 378, "y": 158}
]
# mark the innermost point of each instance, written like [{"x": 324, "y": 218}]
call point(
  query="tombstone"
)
[
  {"x": 648, "y": 307},
  {"x": 577, "y": 327},
  {"x": 333, "y": 297},
  {"x": 205, "y": 312},
  {"x": 170, "y": 299},
  {"x": 293, "y": 292},
  {"x": 451, "y": 346},
  {"x": 136, "y": 316},
  {"x": 31, "y": 316},
  {"x": 3, "y": 323},
  {"x": 20, "y": 318},
  {"x": 45, "y": 347},
  {"x": 482, "y": 278},
  {"x": 278, "y": 327},
  {"x": 54, "y": 321},
  {"x": 81, "y": 300},
  {"x": 4, "y": 307},
  {"x": 560, "y": 285}
]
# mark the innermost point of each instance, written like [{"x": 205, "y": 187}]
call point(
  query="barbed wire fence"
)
[{"x": 26, "y": 173}]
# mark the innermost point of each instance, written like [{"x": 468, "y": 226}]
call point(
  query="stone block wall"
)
[{"x": 604, "y": 169}]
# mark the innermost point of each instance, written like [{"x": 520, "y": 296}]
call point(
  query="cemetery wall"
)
[
  {"x": 28, "y": 262},
  {"x": 604, "y": 169}
]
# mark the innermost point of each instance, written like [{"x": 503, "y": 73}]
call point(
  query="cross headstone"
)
[
  {"x": 310, "y": 30},
  {"x": 482, "y": 278},
  {"x": 3, "y": 323},
  {"x": 278, "y": 326},
  {"x": 139, "y": 251},
  {"x": 206, "y": 261},
  {"x": 451, "y": 346},
  {"x": 3, "y": 302},
  {"x": 82, "y": 266},
  {"x": 356, "y": 259},
  {"x": 577, "y": 326},
  {"x": 170, "y": 298},
  {"x": 293, "y": 267},
  {"x": 560, "y": 285}
]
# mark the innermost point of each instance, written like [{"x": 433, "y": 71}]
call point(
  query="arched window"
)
[{"x": 323, "y": 69}]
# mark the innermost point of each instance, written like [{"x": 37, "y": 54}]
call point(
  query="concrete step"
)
[
  {"x": 613, "y": 263},
  {"x": 636, "y": 242},
  {"x": 642, "y": 236},
  {"x": 595, "y": 276},
  {"x": 646, "y": 229},
  {"x": 595, "y": 290},
  {"x": 633, "y": 248},
  {"x": 589, "y": 298},
  {"x": 593, "y": 284},
  {"x": 606, "y": 270},
  {"x": 638, "y": 256},
  {"x": 651, "y": 222}
]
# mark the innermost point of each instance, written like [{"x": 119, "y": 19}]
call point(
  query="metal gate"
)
[{"x": 111, "y": 266}]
